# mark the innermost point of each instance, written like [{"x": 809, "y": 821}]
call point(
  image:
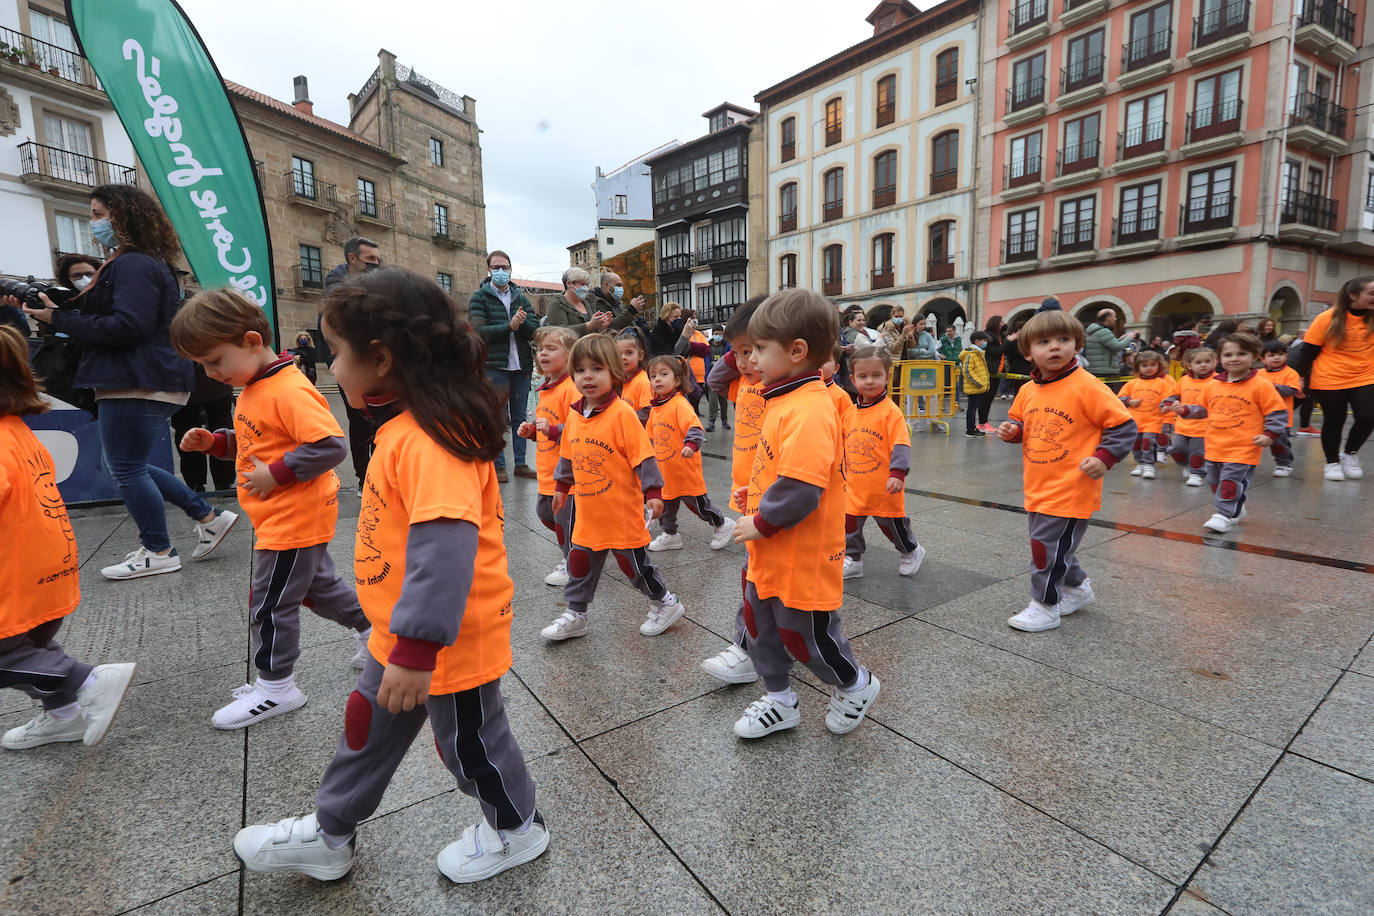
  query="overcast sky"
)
[{"x": 561, "y": 87}]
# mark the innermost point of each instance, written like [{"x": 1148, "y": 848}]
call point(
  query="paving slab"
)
[
  {"x": 219, "y": 897},
  {"x": 1341, "y": 731}
]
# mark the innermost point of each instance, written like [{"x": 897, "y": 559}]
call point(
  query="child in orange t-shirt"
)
[
  {"x": 635, "y": 389},
  {"x": 794, "y": 523},
  {"x": 1072, "y": 429},
  {"x": 430, "y": 564},
  {"x": 552, "y": 344},
  {"x": 1190, "y": 436},
  {"x": 1288, "y": 383},
  {"x": 40, "y": 578},
  {"x": 877, "y": 449},
  {"x": 1143, "y": 396},
  {"x": 606, "y": 459},
  {"x": 843, "y": 400},
  {"x": 675, "y": 431},
  {"x": 288, "y": 444},
  {"x": 1244, "y": 416}
]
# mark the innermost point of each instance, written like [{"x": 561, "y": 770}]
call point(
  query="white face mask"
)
[{"x": 82, "y": 282}]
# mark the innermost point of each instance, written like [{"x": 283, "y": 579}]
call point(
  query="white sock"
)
[
  {"x": 860, "y": 684},
  {"x": 581, "y": 615},
  {"x": 364, "y": 636},
  {"x": 65, "y": 713},
  {"x": 786, "y": 697},
  {"x": 335, "y": 842},
  {"x": 280, "y": 686}
]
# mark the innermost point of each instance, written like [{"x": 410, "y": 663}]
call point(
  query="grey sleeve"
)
[
  {"x": 439, "y": 567},
  {"x": 311, "y": 459},
  {"x": 643, "y": 414},
  {"x": 681, "y": 345},
  {"x": 901, "y": 458},
  {"x": 1117, "y": 441},
  {"x": 1276, "y": 422},
  {"x": 787, "y": 502},
  {"x": 720, "y": 377},
  {"x": 563, "y": 472},
  {"x": 696, "y": 435},
  {"x": 650, "y": 477},
  {"x": 1286, "y": 391}
]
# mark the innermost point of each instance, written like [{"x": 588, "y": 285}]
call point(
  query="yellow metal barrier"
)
[{"x": 924, "y": 389}]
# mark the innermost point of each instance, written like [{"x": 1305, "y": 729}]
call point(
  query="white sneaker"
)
[
  {"x": 44, "y": 729},
  {"x": 483, "y": 851},
  {"x": 1350, "y": 466},
  {"x": 1333, "y": 471},
  {"x": 723, "y": 534},
  {"x": 911, "y": 562},
  {"x": 1147, "y": 471},
  {"x": 294, "y": 844},
  {"x": 853, "y": 569},
  {"x": 567, "y": 626},
  {"x": 143, "y": 562},
  {"x": 765, "y": 716},
  {"x": 362, "y": 654},
  {"x": 1138, "y": 470},
  {"x": 251, "y": 705},
  {"x": 1218, "y": 523},
  {"x": 1194, "y": 480},
  {"x": 101, "y": 700},
  {"x": 1073, "y": 597},
  {"x": 209, "y": 536},
  {"x": 662, "y": 615},
  {"x": 732, "y": 665},
  {"x": 847, "y": 710},
  {"x": 1035, "y": 618},
  {"x": 1161, "y": 456},
  {"x": 1282, "y": 471},
  {"x": 559, "y": 576},
  {"x": 666, "y": 541}
]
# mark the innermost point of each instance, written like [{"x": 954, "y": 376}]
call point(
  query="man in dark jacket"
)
[
  {"x": 609, "y": 298},
  {"x": 504, "y": 318},
  {"x": 360, "y": 255}
]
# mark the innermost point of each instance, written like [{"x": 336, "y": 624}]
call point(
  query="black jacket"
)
[
  {"x": 488, "y": 318},
  {"x": 622, "y": 314}
]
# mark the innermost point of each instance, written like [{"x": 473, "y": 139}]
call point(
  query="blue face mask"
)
[
  {"x": 102, "y": 230},
  {"x": 581, "y": 292},
  {"x": 618, "y": 292},
  {"x": 897, "y": 322},
  {"x": 677, "y": 324},
  {"x": 500, "y": 276}
]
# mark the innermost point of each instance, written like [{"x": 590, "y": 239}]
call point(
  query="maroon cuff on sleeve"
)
[
  {"x": 729, "y": 360},
  {"x": 562, "y": 486},
  {"x": 1105, "y": 457},
  {"x": 694, "y": 446},
  {"x": 899, "y": 473},
  {"x": 764, "y": 527},
  {"x": 653, "y": 493},
  {"x": 555, "y": 432},
  {"x": 221, "y": 446},
  {"x": 419, "y": 654},
  {"x": 282, "y": 474}
]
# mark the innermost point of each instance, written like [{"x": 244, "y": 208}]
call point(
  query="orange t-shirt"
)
[
  {"x": 1062, "y": 423},
  {"x": 1191, "y": 391},
  {"x": 844, "y": 404},
  {"x": 636, "y": 391},
  {"x": 39, "y": 575},
  {"x": 1235, "y": 415},
  {"x": 1151, "y": 391},
  {"x": 274, "y": 415},
  {"x": 412, "y": 479},
  {"x": 667, "y": 428},
  {"x": 874, "y": 430},
  {"x": 1287, "y": 375},
  {"x": 553, "y": 406},
  {"x": 605, "y": 449},
  {"x": 749, "y": 407},
  {"x": 698, "y": 363},
  {"x": 802, "y": 566},
  {"x": 1348, "y": 364}
]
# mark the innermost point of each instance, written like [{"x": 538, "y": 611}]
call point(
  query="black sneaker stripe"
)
[{"x": 262, "y": 707}]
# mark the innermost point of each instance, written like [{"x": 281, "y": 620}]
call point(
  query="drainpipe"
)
[
  {"x": 1283, "y": 133},
  {"x": 973, "y": 287}
]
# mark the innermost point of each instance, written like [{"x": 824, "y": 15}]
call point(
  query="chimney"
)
[{"x": 302, "y": 101}]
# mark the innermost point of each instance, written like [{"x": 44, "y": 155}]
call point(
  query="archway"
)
[
  {"x": 1174, "y": 309},
  {"x": 1285, "y": 307},
  {"x": 944, "y": 311},
  {"x": 880, "y": 313},
  {"x": 1087, "y": 312}
]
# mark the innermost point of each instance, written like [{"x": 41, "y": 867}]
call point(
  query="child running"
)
[
  {"x": 553, "y": 344},
  {"x": 41, "y": 579},
  {"x": 1190, "y": 444},
  {"x": 877, "y": 450},
  {"x": 635, "y": 389},
  {"x": 1244, "y": 415},
  {"x": 430, "y": 563},
  {"x": 1288, "y": 383},
  {"x": 1072, "y": 429},
  {"x": 794, "y": 523},
  {"x": 675, "y": 431},
  {"x": 606, "y": 460},
  {"x": 287, "y": 444},
  {"x": 1143, "y": 395}
]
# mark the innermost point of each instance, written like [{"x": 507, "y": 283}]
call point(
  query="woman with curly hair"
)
[{"x": 121, "y": 321}]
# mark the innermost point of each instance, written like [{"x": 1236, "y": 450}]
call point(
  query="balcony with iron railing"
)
[
  {"x": 1136, "y": 226},
  {"x": 1308, "y": 209},
  {"x": 1019, "y": 247},
  {"x": 702, "y": 256},
  {"x": 1205, "y": 214},
  {"x": 787, "y": 222},
  {"x": 1220, "y": 120},
  {"x": 305, "y": 189},
  {"x": 1026, "y": 94},
  {"x": 1229, "y": 19},
  {"x": 1142, "y": 52},
  {"x": 1327, "y": 27},
  {"x": 40, "y": 164},
  {"x": 942, "y": 180},
  {"x": 1021, "y": 172},
  {"x": 1081, "y": 73},
  {"x": 372, "y": 209},
  {"x": 885, "y": 196},
  {"x": 1075, "y": 236},
  {"x": 940, "y": 268},
  {"x": 1024, "y": 22},
  {"x": 832, "y": 286},
  {"x": 675, "y": 263},
  {"x": 883, "y": 278},
  {"x": 1141, "y": 140},
  {"x": 1077, "y": 157},
  {"x": 1317, "y": 123},
  {"x": 18, "y": 50},
  {"x": 728, "y": 251},
  {"x": 832, "y": 210},
  {"x": 307, "y": 276},
  {"x": 1073, "y": 12}
]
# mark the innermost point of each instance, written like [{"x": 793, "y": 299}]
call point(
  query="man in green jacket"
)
[
  {"x": 504, "y": 318},
  {"x": 1102, "y": 347}
]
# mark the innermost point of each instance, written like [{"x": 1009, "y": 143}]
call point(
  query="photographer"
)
[{"x": 121, "y": 323}]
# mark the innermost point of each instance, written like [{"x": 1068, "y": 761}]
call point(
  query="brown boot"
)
[
  {"x": 501, "y": 475},
  {"x": 524, "y": 470}
]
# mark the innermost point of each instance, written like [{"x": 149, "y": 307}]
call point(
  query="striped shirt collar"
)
[{"x": 789, "y": 385}]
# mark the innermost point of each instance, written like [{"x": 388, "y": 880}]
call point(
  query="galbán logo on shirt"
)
[
  {"x": 1228, "y": 411},
  {"x": 369, "y": 568},
  {"x": 663, "y": 442},
  {"x": 591, "y": 479},
  {"x": 1042, "y": 431},
  {"x": 861, "y": 452}
]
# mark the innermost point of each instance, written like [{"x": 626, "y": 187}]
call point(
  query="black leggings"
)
[{"x": 1360, "y": 402}]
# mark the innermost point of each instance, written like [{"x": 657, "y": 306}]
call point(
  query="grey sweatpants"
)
[
  {"x": 34, "y": 663},
  {"x": 1229, "y": 481},
  {"x": 1282, "y": 449},
  {"x": 1054, "y": 555},
  {"x": 777, "y": 634},
  {"x": 1188, "y": 451},
  {"x": 897, "y": 530},
  {"x": 584, "y": 568},
  {"x": 471, "y": 733},
  {"x": 283, "y": 581},
  {"x": 1145, "y": 444},
  {"x": 560, "y": 523},
  {"x": 700, "y": 506}
]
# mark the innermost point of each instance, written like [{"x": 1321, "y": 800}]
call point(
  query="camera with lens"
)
[{"x": 27, "y": 292}]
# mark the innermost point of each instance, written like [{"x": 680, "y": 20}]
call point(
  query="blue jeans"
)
[
  {"x": 129, "y": 430},
  {"x": 513, "y": 389}
]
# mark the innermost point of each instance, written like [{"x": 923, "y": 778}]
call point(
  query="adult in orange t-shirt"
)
[{"x": 1343, "y": 375}]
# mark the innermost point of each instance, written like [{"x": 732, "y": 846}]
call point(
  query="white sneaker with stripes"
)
[
  {"x": 252, "y": 704},
  {"x": 765, "y": 716}
]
